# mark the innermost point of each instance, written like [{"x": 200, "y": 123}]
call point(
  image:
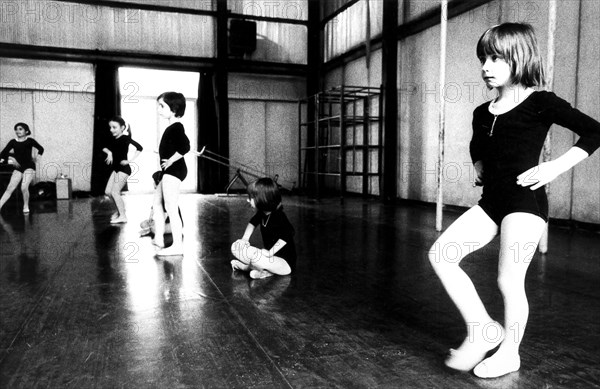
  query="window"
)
[{"x": 139, "y": 90}]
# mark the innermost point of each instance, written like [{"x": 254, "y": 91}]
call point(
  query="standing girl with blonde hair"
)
[{"x": 508, "y": 136}]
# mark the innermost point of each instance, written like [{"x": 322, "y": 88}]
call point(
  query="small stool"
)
[{"x": 63, "y": 188}]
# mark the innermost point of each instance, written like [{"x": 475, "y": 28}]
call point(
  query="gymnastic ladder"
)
[{"x": 240, "y": 169}]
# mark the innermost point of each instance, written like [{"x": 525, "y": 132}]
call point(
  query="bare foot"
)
[
  {"x": 238, "y": 265},
  {"x": 170, "y": 251},
  {"x": 257, "y": 274},
  {"x": 119, "y": 220}
]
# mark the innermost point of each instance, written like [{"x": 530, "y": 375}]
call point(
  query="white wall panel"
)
[
  {"x": 586, "y": 191},
  {"x": 56, "y": 100},
  {"x": 84, "y": 26}
]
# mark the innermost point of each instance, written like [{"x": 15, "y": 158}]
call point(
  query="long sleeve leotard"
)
[
  {"x": 120, "y": 148},
  {"x": 273, "y": 227},
  {"x": 174, "y": 140},
  {"x": 510, "y": 143},
  {"x": 22, "y": 152}
]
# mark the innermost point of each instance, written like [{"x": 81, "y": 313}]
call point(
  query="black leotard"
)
[
  {"x": 174, "y": 140},
  {"x": 120, "y": 148},
  {"x": 22, "y": 152},
  {"x": 510, "y": 143},
  {"x": 276, "y": 226}
]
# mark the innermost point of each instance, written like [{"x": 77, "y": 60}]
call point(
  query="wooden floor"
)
[{"x": 85, "y": 304}]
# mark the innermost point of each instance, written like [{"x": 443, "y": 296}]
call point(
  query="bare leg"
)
[
  {"x": 158, "y": 216},
  {"x": 519, "y": 237},
  {"x": 274, "y": 265},
  {"x": 257, "y": 259},
  {"x": 170, "y": 190},
  {"x": 109, "y": 189},
  {"x": 238, "y": 265},
  {"x": 15, "y": 179},
  {"x": 117, "y": 186},
  {"x": 471, "y": 231},
  {"x": 28, "y": 176}
]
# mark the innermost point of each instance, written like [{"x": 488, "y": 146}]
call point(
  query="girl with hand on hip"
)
[
  {"x": 25, "y": 152},
  {"x": 174, "y": 144},
  {"x": 508, "y": 136},
  {"x": 116, "y": 155}
]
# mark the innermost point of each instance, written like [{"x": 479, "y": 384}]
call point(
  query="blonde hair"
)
[{"x": 517, "y": 44}]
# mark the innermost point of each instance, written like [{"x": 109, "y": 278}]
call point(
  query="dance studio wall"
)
[
  {"x": 358, "y": 73},
  {"x": 585, "y": 187},
  {"x": 56, "y": 99},
  {"x": 74, "y": 25},
  {"x": 263, "y": 124},
  {"x": 419, "y": 94},
  {"x": 574, "y": 195}
]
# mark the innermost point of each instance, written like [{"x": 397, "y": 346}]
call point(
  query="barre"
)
[{"x": 238, "y": 167}]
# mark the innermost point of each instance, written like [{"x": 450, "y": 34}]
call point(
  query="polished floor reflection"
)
[{"x": 86, "y": 304}]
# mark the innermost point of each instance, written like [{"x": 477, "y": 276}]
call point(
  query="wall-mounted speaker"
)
[{"x": 242, "y": 37}]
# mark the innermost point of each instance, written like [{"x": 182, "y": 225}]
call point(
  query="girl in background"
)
[
  {"x": 279, "y": 255},
  {"x": 116, "y": 155},
  {"x": 174, "y": 144},
  {"x": 508, "y": 136},
  {"x": 24, "y": 156}
]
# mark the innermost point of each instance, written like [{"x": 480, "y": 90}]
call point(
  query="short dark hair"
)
[
  {"x": 516, "y": 43},
  {"x": 265, "y": 193},
  {"x": 175, "y": 101},
  {"x": 121, "y": 122},
  {"x": 24, "y": 126},
  {"x": 118, "y": 119}
]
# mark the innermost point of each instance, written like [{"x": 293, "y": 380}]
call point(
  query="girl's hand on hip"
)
[
  {"x": 478, "y": 173},
  {"x": 539, "y": 175},
  {"x": 124, "y": 162},
  {"x": 13, "y": 161},
  {"x": 165, "y": 163},
  {"x": 240, "y": 244}
]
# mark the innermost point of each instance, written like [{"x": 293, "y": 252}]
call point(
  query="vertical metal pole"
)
[
  {"x": 440, "y": 166},
  {"x": 547, "y": 151},
  {"x": 300, "y": 178},
  {"x": 343, "y": 142},
  {"x": 317, "y": 130},
  {"x": 354, "y": 125},
  {"x": 329, "y": 151},
  {"x": 388, "y": 102},
  {"x": 366, "y": 153},
  {"x": 222, "y": 87},
  {"x": 380, "y": 141}
]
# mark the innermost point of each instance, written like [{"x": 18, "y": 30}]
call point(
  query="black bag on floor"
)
[{"x": 43, "y": 190}]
